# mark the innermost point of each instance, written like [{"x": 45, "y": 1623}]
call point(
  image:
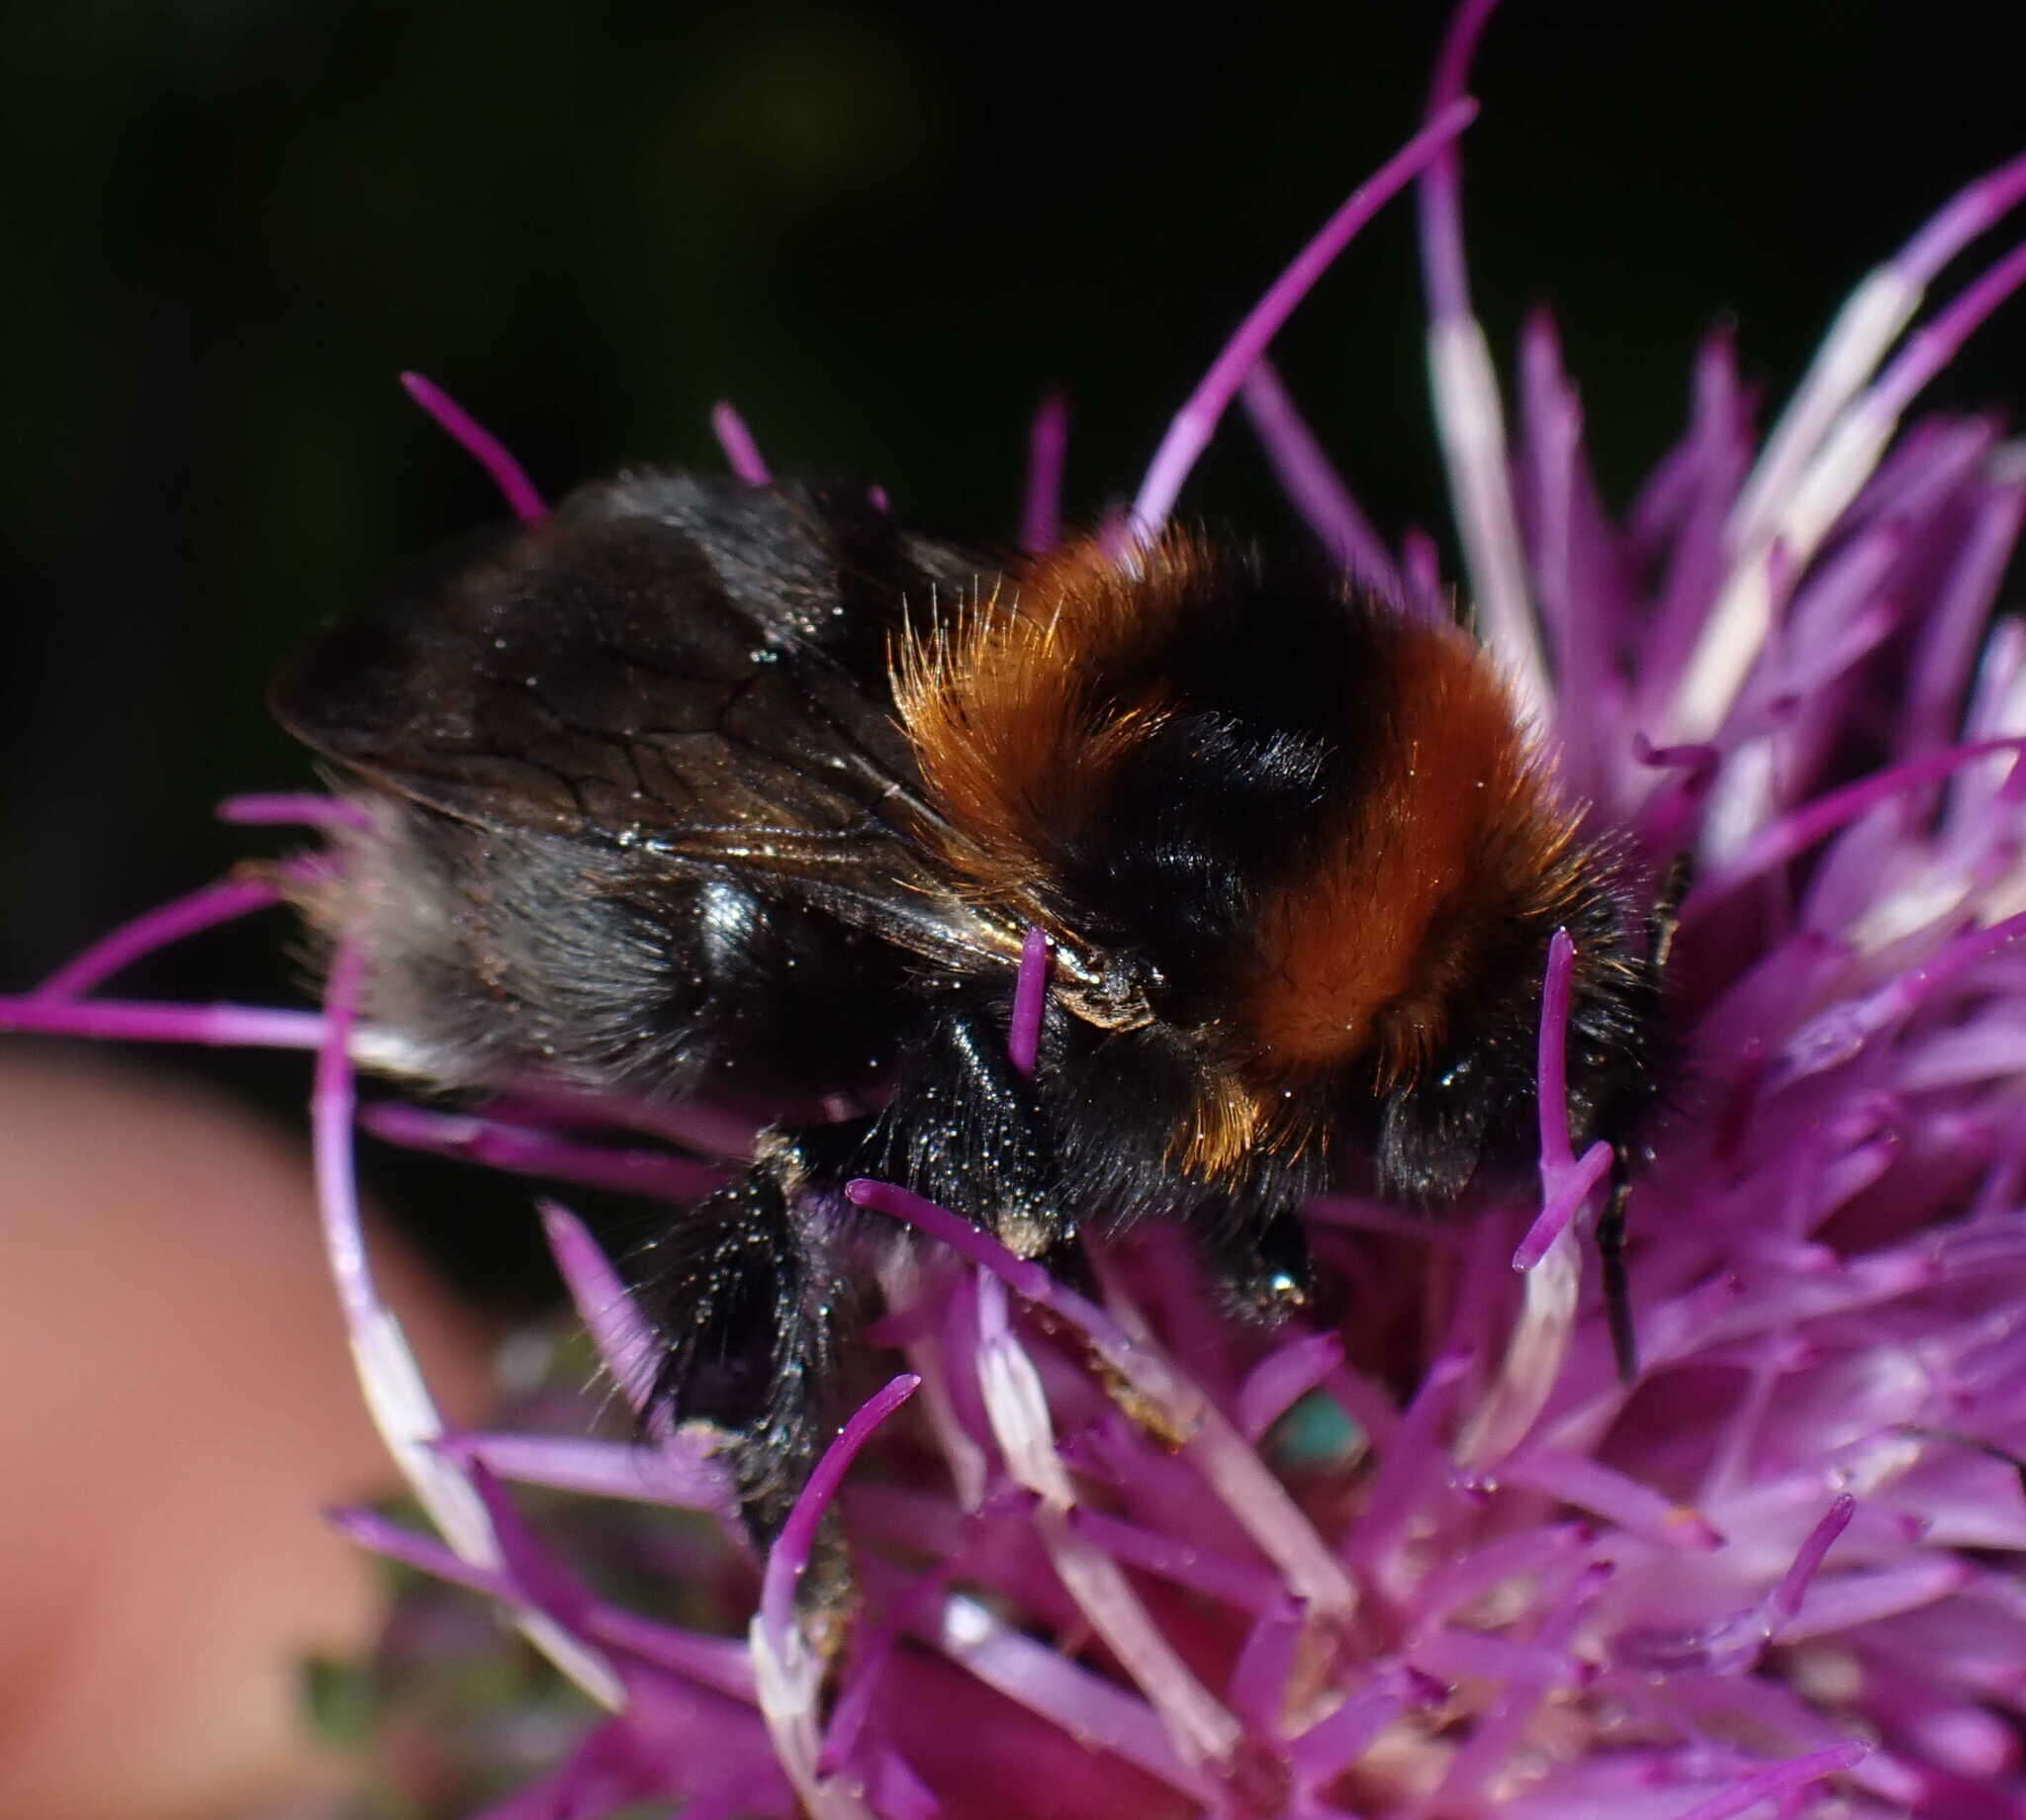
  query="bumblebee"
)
[{"x": 700, "y": 788}]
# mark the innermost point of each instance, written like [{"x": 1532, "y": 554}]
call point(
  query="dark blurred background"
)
[{"x": 882, "y": 232}]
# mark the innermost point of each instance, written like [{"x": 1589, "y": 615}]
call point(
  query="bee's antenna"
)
[{"x": 1955, "y": 1438}]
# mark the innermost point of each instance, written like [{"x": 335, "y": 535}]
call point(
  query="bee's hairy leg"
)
[
  {"x": 966, "y": 1129},
  {"x": 753, "y": 1291},
  {"x": 746, "y": 1294}
]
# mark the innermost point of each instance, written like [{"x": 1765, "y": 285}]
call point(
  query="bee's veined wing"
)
[{"x": 691, "y": 669}]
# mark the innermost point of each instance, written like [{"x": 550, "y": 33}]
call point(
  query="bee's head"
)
[
  {"x": 1298, "y": 829},
  {"x": 1473, "y": 1111}
]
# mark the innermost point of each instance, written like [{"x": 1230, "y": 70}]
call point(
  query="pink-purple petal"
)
[{"x": 480, "y": 445}]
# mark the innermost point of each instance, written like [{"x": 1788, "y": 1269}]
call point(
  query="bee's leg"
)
[
  {"x": 1663, "y": 922},
  {"x": 747, "y": 1295},
  {"x": 1618, "y": 1286},
  {"x": 966, "y": 1129},
  {"x": 1258, "y": 1267},
  {"x": 1664, "y": 916},
  {"x": 753, "y": 1289}
]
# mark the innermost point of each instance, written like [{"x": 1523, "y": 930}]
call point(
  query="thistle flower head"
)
[
  {"x": 1119, "y": 1558},
  {"x": 1116, "y": 1557}
]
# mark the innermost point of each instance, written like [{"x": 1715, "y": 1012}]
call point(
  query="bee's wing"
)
[{"x": 692, "y": 670}]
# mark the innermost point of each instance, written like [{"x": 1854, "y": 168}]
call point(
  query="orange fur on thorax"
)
[
  {"x": 1019, "y": 722},
  {"x": 1448, "y": 842},
  {"x": 1013, "y": 725}
]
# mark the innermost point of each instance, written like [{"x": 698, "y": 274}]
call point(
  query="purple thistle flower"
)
[{"x": 1116, "y": 1557}]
